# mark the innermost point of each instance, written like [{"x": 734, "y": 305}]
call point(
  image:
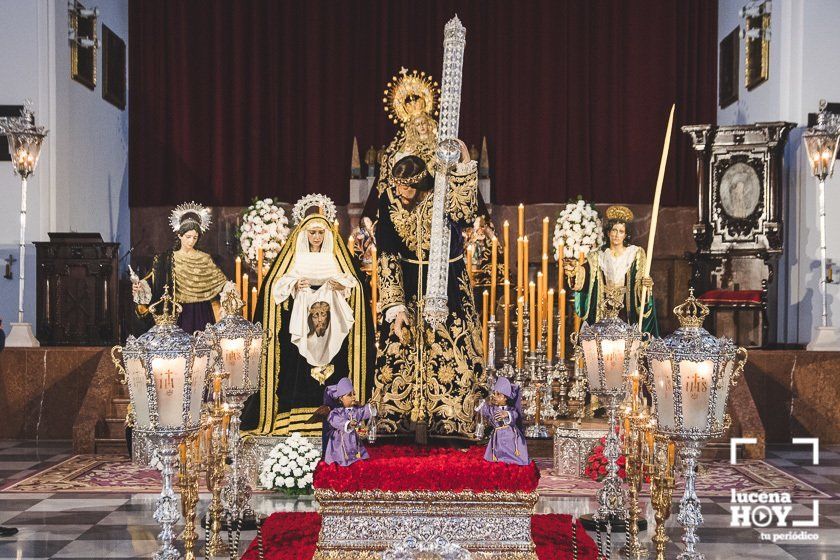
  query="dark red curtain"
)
[{"x": 233, "y": 100}]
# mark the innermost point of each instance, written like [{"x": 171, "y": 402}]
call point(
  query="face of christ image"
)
[
  {"x": 319, "y": 318},
  {"x": 315, "y": 236}
]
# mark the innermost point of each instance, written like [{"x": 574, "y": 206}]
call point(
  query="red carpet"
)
[{"x": 292, "y": 536}]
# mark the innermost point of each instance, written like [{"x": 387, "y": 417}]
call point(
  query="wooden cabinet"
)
[{"x": 78, "y": 290}]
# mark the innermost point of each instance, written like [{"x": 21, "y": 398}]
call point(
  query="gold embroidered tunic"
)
[{"x": 432, "y": 378}]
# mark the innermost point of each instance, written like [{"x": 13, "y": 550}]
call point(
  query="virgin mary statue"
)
[{"x": 316, "y": 327}]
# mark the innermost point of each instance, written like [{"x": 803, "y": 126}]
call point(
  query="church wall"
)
[
  {"x": 802, "y": 32},
  {"x": 81, "y": 183}
]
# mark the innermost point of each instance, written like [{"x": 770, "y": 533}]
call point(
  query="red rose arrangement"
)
[
  {"x": 596, "y": 463},
  {"x": 396, "y": 468}
]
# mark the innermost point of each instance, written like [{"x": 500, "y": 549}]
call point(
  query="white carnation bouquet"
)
[
  {"x": 290, "y": 466},
  {"x": 264, "y": 224},
  {"x": 579, "y": 228}
]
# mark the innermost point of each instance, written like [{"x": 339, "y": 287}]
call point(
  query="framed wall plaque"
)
[
  {"x": 728, "y": 69},
  {"x": 757, "y": 51},
  {"x": 113, "y": 68},
  {"x": 83, "y": 59}
]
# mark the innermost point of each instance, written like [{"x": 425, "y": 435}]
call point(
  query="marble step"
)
[
  {"x": 119, "y": 407},
  {"x": 107, "y": 446},
  {"x": 113, "y": 428}
]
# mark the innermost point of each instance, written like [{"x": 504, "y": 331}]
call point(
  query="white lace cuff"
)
[{"x": 392, "y": 312}]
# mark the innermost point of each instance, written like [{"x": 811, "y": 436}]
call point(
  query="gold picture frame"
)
[
  {"x": 757, "y": 51},
  {"x": 83, "y": 59}
]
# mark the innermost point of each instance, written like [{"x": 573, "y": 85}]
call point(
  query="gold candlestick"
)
[
  {"x": 216, "y": 462},
  {"x": 189, "y": 469},
  {"x": 661, "y": 492}
]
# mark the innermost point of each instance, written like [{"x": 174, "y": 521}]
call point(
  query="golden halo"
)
[
  {"x": 619, "y": 213},
  {"x": 409, "y": 94}
]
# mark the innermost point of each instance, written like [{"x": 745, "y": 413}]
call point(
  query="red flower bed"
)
[
  {"x": 293, "y": 536},
  {"x": 395, "y": 468}
]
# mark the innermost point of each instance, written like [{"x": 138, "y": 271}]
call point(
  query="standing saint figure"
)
[
  {"x": 428, "y": 378},
  {"x": 194, "y": 280},
  {"x": 314, "y": 312},
  {"x": 618, "y": 267}
]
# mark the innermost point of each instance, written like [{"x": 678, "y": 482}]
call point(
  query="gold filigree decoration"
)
[{"x": 391, "y": 290}]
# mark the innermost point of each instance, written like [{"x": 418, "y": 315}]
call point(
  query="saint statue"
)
[
  {"x": 194, "y": 280},
  {"x": 315, "y": 314},
  {"x": 428, "y": 377},
  {"x": 617, "y": 267}
]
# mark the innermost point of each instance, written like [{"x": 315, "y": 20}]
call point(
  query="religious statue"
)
[
  {"x": 194, "y": 279},
  {"x": 315, "y": 314},
  {"x": 410, "y": 102},
  {"x": 616, "y": 267},
  {"x": 428, "y": 376}
]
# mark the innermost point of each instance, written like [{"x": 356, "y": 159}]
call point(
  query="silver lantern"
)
[
  {"x": 690, "y": 374},
  {"x": 238, "y": 345},
  {"x": 165, "y": 370},
  {"x": 610, "y": 352}
]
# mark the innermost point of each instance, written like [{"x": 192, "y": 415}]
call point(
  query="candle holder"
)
[
  {"x": 217, "y": 454},
  {"x": 635, "y": 449},
  {"x": 609, "y": 350},
  {"x": 491, "y": 347},
  {"x": 661, "y": 492},
  {"x": 691, "y": 373},
  {"x": 165, "y": 370},
  {"x": 188, "y": 476}
]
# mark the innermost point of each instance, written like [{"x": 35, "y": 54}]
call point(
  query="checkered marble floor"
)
[{"x": 120, "y": 525}]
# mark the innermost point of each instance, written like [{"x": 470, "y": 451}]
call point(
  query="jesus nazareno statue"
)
[{"x": 428, "y": 377}]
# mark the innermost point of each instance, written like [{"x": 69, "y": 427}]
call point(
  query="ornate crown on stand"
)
[
  {"x": 619, "y": 213},
  {"x": 170, "y": 310},
  {"x": 190, "y": 212},
  {"x": 322, "y": 201},
  {"x": 691, "y": 313},
  {"x": 409, "y": 94}
]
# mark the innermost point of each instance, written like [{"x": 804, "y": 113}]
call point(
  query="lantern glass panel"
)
[
  {"x": 663, "y": 379},
  {"x": 199, "y": 374},
  {"x": 722, "y": 395},
  {"x": 136, "y": 374},
  {"x": 254, "y": 355},
  {"x": 233, "y": 360},
  {"x": 169, "y": 381},
  {"x": 696, "y": 392},
  {"x": 590, "y": 361}
]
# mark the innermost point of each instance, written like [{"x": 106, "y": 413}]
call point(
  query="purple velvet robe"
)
[
  {"x": 344, "y": 445},
  {"x": 507, "y": 444}
]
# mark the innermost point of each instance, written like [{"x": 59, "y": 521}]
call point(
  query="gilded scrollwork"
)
[
  {"x": 462, "y": 195},
  {"x": 391, "y": 290}
]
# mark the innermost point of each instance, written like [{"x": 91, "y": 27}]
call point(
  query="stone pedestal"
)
[
  {"x": 21, "y": 336},
  {"x": 361, "y": 525}
]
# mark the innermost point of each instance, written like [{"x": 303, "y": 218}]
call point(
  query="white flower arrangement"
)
[
  {"x": 290, "y": 466},
  {"x": 579, "y": 227},
  {"x": 264, "y": 224}
]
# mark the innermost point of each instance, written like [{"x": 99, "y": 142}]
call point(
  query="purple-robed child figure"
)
[
  {"x": 507, "y": 444},
  {"x": 344, "y": 446}
]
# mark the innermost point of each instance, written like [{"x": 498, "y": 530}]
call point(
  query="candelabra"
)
[
  {"x": 662, "y": 483},
  {"x": 691, "y": 373},
  {"x": 609, "y": 350},
  {"x": 638, "y": 429},
  {"x": 165, "y": 370},
  {"x": 188, "y": 476},
  {"x": 216, "y": 438}
]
